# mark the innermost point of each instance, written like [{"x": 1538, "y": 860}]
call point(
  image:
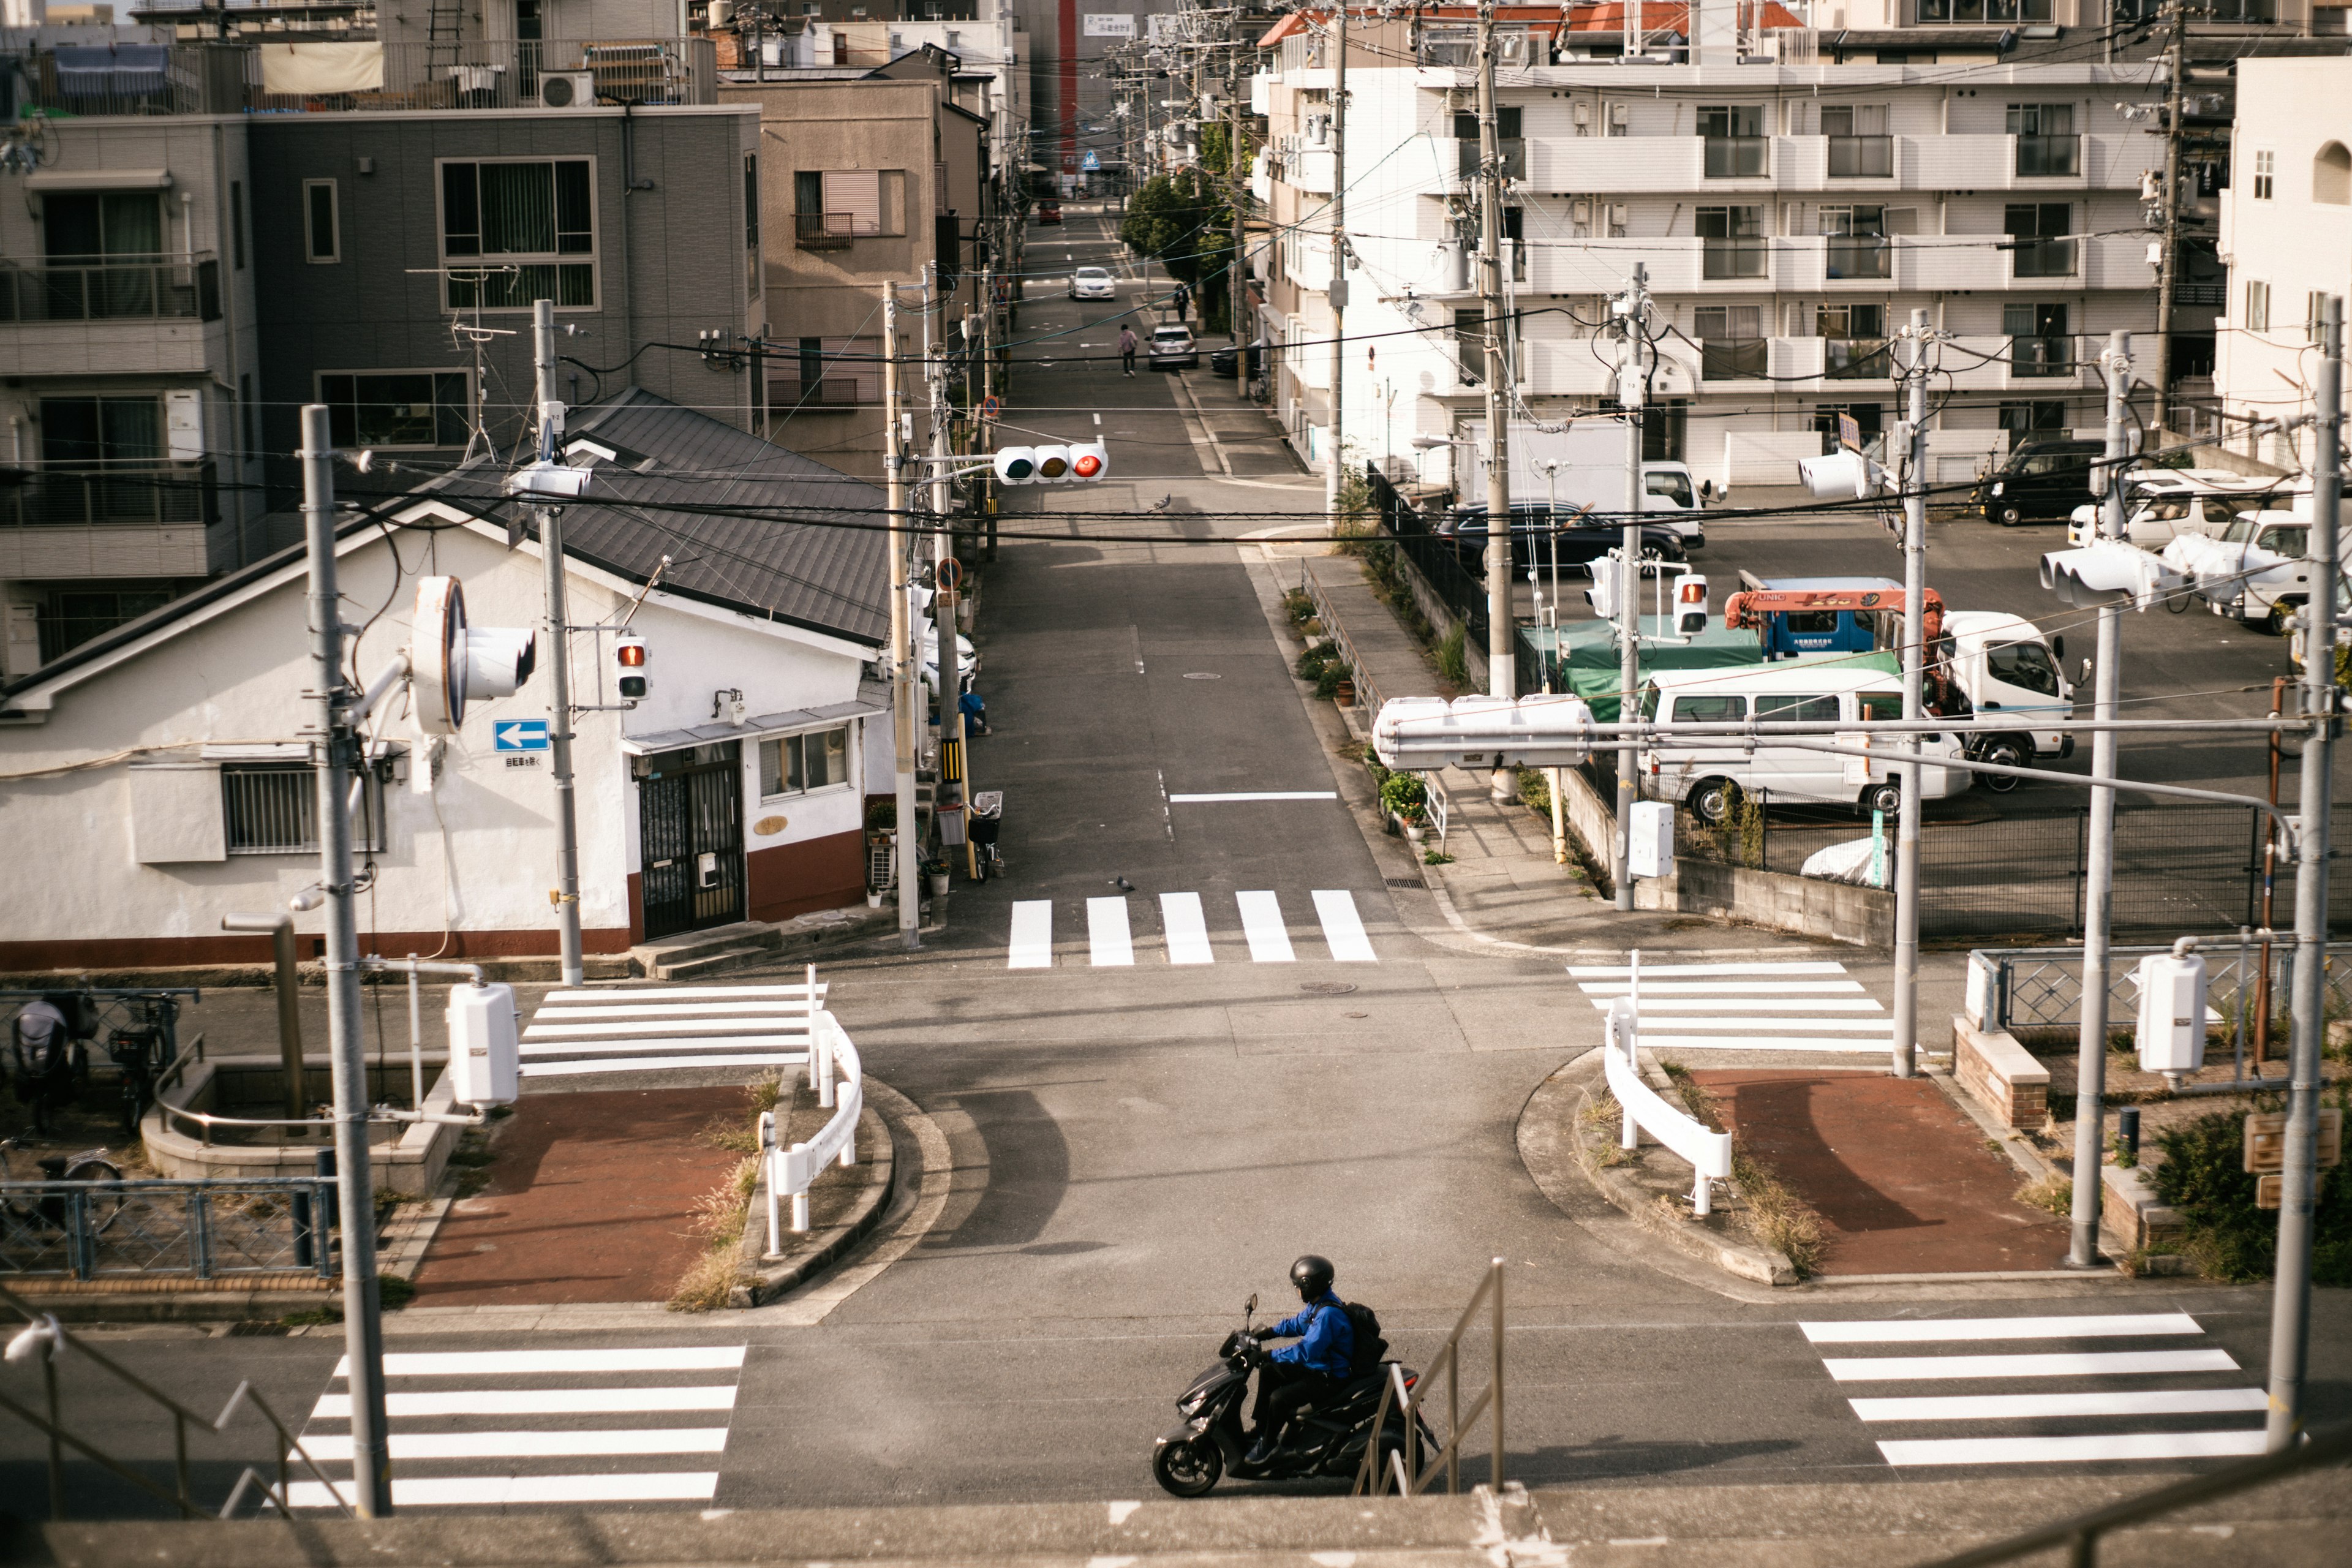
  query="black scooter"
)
[{"x": 1328, "y": 1439}]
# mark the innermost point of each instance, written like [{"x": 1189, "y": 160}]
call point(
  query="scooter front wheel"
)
[{"x": 1188, "y": 1467}]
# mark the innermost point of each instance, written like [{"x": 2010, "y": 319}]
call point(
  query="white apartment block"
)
[
  {"x": 1794, "y": 194},
  {"x": 2286, "y": 234}
]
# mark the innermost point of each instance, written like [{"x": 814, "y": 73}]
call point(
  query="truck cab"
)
[
  {"x": 2258, "y": 571},
  {"x": 2000, "y": 664}
]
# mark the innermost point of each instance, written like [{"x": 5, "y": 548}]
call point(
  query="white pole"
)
[
  {"x": 775, "y": 1176},
  {"x": 905, "y": 689},
  {"x": 800, "y": 1202},
  {"x": 1630, "y": 391},
  {"x": 415, "y": 1042},
  {"x": 1335, "y": 459},
  {"x": 1502, "y": 676},
  {"x": 558, "y": 660},
  {"x": 1915, "y": 664}
]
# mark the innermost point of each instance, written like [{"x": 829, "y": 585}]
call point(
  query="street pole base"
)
[{"x": 2099, "y": 1261}]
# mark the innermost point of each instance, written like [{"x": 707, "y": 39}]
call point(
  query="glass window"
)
[
  {"x": 1806, "y": 622},
  {"x": 1710, "y": 710},
  {"x": 2291, "y": 543},
  {"x": 1649, "y": 702},
  {"x": 1673, "y": 484},
  {"x": 82, "y": 227},
  {"x": 532, "y": 224},
  {"x": 2258, "y": 305},
  {"x": 321, "y": 233},
  {"x": 1878, "y": 707},
  {"x": 1797, "y": 710},
  {"x": 796, "y": 764},
  {"x": 398, "y": 408},
  {"x": 2025, "y": 664},
  {"x": 79, "y": 432},
  {"x": 2038, "y": 233},
  {"x": 2265, "y": 174}
]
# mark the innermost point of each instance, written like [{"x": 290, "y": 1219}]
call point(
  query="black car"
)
[
  {"x": 1540, "y": 535},
  {"x": 2043, "y": 481},
  {"x": 1225, "y": 361}
]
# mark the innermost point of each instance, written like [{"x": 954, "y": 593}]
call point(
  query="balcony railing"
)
[
  {"x": 1512, "y": 149},
  {"x": 2044, "y": 259},
  {"x": 1734, "y": 259},
  {"x": 2044, "y": 157},
  {"x": 1856, "y": 359},
  {"x": 1862, "y": 157},
  {"x": 824, "y": 231},
  {"x": 1735, "y": 157},
  {"x": 113, "y": 494},
  {"x": 1860, "y": 256},
  {"x": 1734, "y": 359},
  {"x": 2041, "y": 356},
  {"x": 122, "y": 291}
]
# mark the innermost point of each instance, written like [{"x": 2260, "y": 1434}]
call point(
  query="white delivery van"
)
[
  {"x": 2160, "y": 504},
  {"x": 2011, "y": 673},
  {"x": 2258, "y": 571},
  {"x": 1830, "y": 691}
]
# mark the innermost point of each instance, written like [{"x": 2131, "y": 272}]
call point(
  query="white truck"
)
[
  {"x": 1583, "y": 465},
  {"x": 2161, "y": 504},
  {"x": 2258, "y": 571},
  {"x": 2004, "y": 665}
]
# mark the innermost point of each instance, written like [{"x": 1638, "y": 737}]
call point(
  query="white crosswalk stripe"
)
[
  {"x": 1114, "y": 941},
  {"x": 1794, "y": 1006},
  {"x": 662, "y": 1029},
  {"x": 451, "y": 1410},
  {"x": 2119, "y": 1416}
]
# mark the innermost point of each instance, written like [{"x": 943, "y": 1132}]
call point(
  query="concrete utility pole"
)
[
  {"x": 1335, "y": 467},
  {"x": 2168, "y": 266},
  {"x": 946, "y": 662},
  {"x": 559, "y": 656},
  {"x": 338, "y": 763},
  {"x": 1633, "y": 381},
  {"x": 903, "y": 684},
  {"x": 2291, "y": 1293},
  {"x": 1914, "y": 662},
  {"x": 1502, "y": 677},
  {"x": 1237, "y": 177},
  {"x": 2098, "y": 884}
]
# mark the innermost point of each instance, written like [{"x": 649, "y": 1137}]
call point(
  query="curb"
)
[{"x": 823, "y": 1246}]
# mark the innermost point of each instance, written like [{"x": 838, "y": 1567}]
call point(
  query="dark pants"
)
[
  {"x": 1282, "y": 1388},
  {"x": 1127, "y": 360}
]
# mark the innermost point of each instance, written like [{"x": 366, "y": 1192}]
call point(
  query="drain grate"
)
[
  {"x": 1404, "y": 882},
  {"x": 1327, "y": 987}
]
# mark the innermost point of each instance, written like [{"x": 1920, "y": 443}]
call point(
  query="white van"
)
[
  {"x": 2161, "y": 504},
  {"x": 1833, "y": 690}
]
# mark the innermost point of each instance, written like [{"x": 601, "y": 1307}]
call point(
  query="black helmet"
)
[{"x": 1312, "y": 1275}]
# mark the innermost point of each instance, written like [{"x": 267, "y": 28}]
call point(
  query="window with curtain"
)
[
  {"x": 103, "y": 249},
  {"x": 514, "y": 231},
  {"x": 796, "y": 764},
  {"x": 84, "y": 431},
  {"x": 2038, "y": 231},
  {"x": 398, "y": 408}
]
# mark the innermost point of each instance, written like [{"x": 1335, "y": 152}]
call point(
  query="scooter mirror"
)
[{"x": 1251, "y": 1306}]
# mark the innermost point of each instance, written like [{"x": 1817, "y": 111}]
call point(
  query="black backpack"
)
[{"x": 1369, "y": 1346}]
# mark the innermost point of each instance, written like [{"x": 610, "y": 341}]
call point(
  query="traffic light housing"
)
[
  {"x": 635, "y": 677},
  {"x": 1052, "y": 465},
  {"x": 452, "y": 663},
  {"x": 1690, "y": 605}
]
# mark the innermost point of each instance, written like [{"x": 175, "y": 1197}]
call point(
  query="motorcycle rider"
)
[{"x": 1309, "y": 1371}]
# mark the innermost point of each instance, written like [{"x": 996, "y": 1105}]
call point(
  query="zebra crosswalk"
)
[
  {"x": 1791, "y": 1006},
  {"x": 605, "y": 1425},
  {"x": 2097, "y": 1391},
  {"x": 1183, "y": 936},
  {"x": 660, "y": 1028}
]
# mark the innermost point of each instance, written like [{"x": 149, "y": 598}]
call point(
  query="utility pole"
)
[
  {"x": 1502, "y": 678},
  {"x": 1631, "y": 391},
  {"x": 338, "y": 761},
  {"x": 903, "y": 684},
  {"x": 1236, "y": 273},
  {"x": 946, "y": 662},
  {"x": 1335, "y": 467},
  {"x": 2168, "y": 266},
  {"x": 566, "y": 897},
  {"x": 1915, "y": 661},
  {"x": 2291, "y": 1293},
  {"x": 2098, "y": 885}
]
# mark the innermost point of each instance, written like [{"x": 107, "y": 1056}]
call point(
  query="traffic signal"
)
[
  {"x": 1052, "y": 465},
  {"x": 452, "y": 663},
  {"x": 634, "y": 680},
  {"x": 1690, "y": 605},
  {"x": 1016, "y": 466}
]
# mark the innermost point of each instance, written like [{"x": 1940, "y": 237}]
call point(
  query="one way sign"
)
[{"x": 521, "y": 734}]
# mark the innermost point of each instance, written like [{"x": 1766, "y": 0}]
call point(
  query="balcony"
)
[
  {"x": 1513, "y": 149},
  {"x": 1862, "y": 157},
  {"x": 1859, "y": 256},
  {"x": 1735, "y": 359},
  {"x": 1737, "y": 258},
  {"x": 1735, "y": 157},
  {"x": 787, "y": 393},
  {"x": 2039, "y": 358},
  {"x": 138, "y": 493},
  {"x": 2049, "y": 157},
  {"x": 2041, "y": 257},
  {"x": 824, "y": 231},
  {"x": 120, "y": 290},
  {"x": 1857, "y": 359}
]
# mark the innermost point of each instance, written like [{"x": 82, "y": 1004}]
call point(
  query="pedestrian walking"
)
[
  {"x": 1184, "y": 298},
  {"x": 1127, "y": 349}
]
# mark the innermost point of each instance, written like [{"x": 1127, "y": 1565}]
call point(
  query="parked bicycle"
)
[
  {"x": 138, "y": 1050},
  {"x": 96, "y": 1166}
]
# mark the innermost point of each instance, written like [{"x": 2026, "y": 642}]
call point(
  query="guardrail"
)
[
  {"x": 198, "y": 1229},
  {"x": 1368, "y": 690},
  {"x": 1708, "y": 1152},
  {"x": 838, "y": 1076},
  {"x": 1406, "y": 1396}
]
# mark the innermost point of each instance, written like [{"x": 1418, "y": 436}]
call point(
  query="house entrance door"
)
[{"x": 690, "y": 830}]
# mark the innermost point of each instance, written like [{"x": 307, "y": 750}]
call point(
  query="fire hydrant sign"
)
[{"x": 519, "y": 734}]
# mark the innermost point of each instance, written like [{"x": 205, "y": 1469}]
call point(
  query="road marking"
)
[
  {"x": 564, "y": 1444},
  {"x": 676, "y": 996},
  {"x": 1109, "y": 940},
  {"x": 2091, "y": 1363},
  {"x": 515, "y": 1363},
  {"x": 699, "y": 1026},
  {"x": 1269, "y": 940},
  {"x": 2074, "y": 1450},
  {"x": 1934, "y": 1330},
  {"x": 1343, "y": 928},
  {"x": 1259, "y": 795},
  {"x": 1187, "y": 927},
  {"x": 1032, "y": 934},
  {"x": 2020, "y": 1406},
  {"x": 729, "y": 1010},
  {"x": 1876, "y": 1025},
  {"x": 655, "y": 1064},
  {"x": 797, "y": 1040},
  {"x": 1759, "y": 1042},
  {"x": 537, "y": 1402},
  {"x": 1650, "y": 1005},
  {"x": 457, "y": 1491},
  {"x": 1723, "y": 987},
  {"x": 1610, "y": 970}
]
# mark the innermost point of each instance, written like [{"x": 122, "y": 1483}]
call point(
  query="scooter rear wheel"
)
[{"x": 1188, "y": 1469}]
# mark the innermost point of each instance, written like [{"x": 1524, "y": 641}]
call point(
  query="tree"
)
[{"x": 1184, "y": 222}]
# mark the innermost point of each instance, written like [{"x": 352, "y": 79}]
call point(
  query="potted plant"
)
[{"x": 1405, "y": 797}]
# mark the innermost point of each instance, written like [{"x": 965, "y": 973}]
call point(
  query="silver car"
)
[
  {"x": 1172, "y": 348},
  {"x": 1092, "y": 283}
]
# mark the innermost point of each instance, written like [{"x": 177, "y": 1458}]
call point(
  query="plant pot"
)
[
  {"x": 1346, "y": 696},
  {"x": 938, "y": 884},
  {"x": 873, "y": 898},
  {"x": 1413, "y": 831}
]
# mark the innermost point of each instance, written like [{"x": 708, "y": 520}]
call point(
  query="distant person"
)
[
  {"x": 43, "y": 1057},
  {"x": 1127, "y": 349},
  {"x": 1181, "y": 299}
]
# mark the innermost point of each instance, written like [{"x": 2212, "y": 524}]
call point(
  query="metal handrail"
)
[
  {"x": 1412, "y": 1478},
  {"x": 45, "y": 1326},
  {"x": 2081, "y": 1533}
]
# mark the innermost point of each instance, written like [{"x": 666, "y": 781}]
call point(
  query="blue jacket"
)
[{"x": 1328, "y": 1342}]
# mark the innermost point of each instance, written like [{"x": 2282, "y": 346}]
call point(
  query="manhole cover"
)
[
  {"x": 1327, "y": 987},
  {"x": 1202, "y": 674}
]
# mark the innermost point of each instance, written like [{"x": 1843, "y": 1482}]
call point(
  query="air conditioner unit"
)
[{"x": 567, "y": 89}]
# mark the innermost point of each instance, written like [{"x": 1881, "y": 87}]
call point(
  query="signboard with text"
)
[{"x": 1110, "y": 25}]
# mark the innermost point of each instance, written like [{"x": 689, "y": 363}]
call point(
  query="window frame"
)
[
  {"x": 334, "y": 254},
  {"x": 468, "y": 413},
  {"x": 592, "y": 259},
  {"x": 2258, "y": 305},
  {"x": 2265, "y": 182},
  {"x": 783, "y": 741},
  {"x": 368, "y": 837}
]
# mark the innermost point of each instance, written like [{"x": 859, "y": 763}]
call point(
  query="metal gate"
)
[{"x": 690, "y": 832}]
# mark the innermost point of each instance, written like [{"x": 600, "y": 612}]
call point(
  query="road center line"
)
[{"x": 1253, "y": 795}]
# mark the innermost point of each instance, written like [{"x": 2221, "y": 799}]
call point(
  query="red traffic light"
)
[{"x": 1086, "y": 465}]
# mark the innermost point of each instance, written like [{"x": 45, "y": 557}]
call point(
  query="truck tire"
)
[
  {"x": 1710, "y": 800},
  {"x": 1886, "y": 797},
  {"x": 2009, "y": 751},
  {"x": 2010, "y": 516},
  {"x": 2282, "y": 611}
]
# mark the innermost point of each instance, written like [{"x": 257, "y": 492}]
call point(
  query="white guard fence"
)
[
  {"x": 1708, "y": 1152},
  {"x": 839, "y": 1080}
]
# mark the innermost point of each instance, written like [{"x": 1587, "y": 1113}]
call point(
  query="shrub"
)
[
  {"x": 1405, "y": 795},
  {"x": 1311, "y": 663},
  {"x": 2204, "y": 1177},
  {"x": 1452, "y": 659},
  {"x": 1300, "y": 606},
  {"x": 1326, "y": 683}
]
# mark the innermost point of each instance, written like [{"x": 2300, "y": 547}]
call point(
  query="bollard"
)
[
  {"x": 800, "y": 1203},
  {"x": 2128, "y": 1133},
  {"x": 775, "y": 1176}
]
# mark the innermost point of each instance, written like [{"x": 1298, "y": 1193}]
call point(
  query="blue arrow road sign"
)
[{"x": 520, "y": 735}]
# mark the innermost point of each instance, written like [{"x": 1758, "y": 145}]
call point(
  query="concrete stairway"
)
[{"x": 690, "y": 955}]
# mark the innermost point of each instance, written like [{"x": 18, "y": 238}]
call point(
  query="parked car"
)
[
  {"x": 1049, "y": 211},
  {"x": 1541, "y": 534},
  {"x": 1092, "y": 283},
  {"x": 2041, "y": 482},
  {"x": 2258, "y": 571},
  {"x": 1225, "y": 361},
  {"x": 1173, "y": 347},
  {"x": 2161, "y": 504}
]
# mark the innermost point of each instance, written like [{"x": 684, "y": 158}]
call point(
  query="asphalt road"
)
[{"x": 1138, "y": 1147}]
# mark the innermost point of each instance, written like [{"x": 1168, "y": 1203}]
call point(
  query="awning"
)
[
  {"x": 98, "y": 180},
  {"x": 752, "y": 728}
]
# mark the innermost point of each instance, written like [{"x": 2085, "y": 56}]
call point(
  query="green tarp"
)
[{"x": 1588, "y": 664}]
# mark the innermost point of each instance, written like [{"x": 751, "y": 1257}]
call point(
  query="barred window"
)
[{"x": 272, "y": 808}]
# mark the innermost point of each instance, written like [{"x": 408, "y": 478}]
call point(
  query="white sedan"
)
[
  {"x": 1093, "y": 284},
  {"x": 967, "y": 661}
]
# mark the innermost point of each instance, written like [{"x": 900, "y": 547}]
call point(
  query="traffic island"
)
[{"x": 845, "y": 1203}]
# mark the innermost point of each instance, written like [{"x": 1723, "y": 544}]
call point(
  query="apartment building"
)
[
  {"x": 1794, "y": 194},
  {"x": 2286, "y": 234}
]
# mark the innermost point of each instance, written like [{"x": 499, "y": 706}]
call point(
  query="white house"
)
[
  {"x": 2286, "y": 234},
  {"x": 158, "y": 777}
]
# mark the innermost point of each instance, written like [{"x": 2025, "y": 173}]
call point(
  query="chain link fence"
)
[{"x": 193, "y": 1229}]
